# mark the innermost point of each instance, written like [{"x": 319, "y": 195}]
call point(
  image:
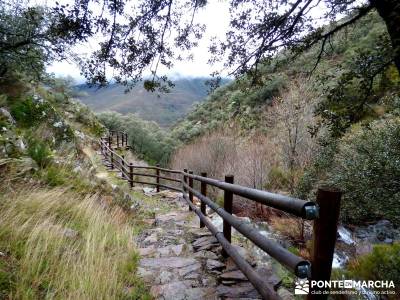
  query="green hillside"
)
[
  {"x": 165, "y": 109},
  {"x": 295, "y": 130},
  {"x": 243, "y": 102}
]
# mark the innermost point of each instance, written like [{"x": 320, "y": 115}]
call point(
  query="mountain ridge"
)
[{"x": 165, "y": 109}]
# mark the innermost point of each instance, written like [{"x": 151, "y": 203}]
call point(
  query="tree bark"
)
[{"x": 389, "y": 10}]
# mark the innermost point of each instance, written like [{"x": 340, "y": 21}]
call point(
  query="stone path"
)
[{"x": 182, "y": 261}]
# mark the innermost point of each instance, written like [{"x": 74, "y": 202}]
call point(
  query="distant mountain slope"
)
[
  {"x": 244, "y": 104},
  {"x": 165, "y": 109}
]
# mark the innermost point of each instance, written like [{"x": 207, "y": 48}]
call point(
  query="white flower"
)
[
  {"x": 79, "y": 134},
  {"x": 22, "y": 145},
  {"x": 58, "y": 124},
  {"x": 4, "y": 129}
]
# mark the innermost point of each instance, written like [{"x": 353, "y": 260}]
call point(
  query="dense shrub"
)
[
  {"x": 317, "y": 171},
  {"x": 29, "y": 112},
  {"x": 146, "y": 138},
  {"x": 40, "y": 152},
  {"x": 53, "y": 175},
  {"x": 367, "y": 169},
  {"x": 278, "y": 179},
  {"x": 383, "y": 263}
]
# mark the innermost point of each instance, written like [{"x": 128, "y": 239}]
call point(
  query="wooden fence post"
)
[
  {"x": 112, "y": 159},
  {"x": 203, "y": 190},
  {"x": 324, "y": 236},
  {"x": 123, "y": 166},
  {"x": 190, "y": 185},
  {"x": 126, "y": 140},
  {"x": 117, "y": 140},
  {"x": 184, "y": 180},
  {"x": 158, "y": 178},
  {"x": 228, "y": 203},
  {"x": 109, "y": 142},
  {"x": 131, "y": 174}
]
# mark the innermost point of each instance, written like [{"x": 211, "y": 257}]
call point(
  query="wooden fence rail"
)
[{"x": 324, "y": 212}]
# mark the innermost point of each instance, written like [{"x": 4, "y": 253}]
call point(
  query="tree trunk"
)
[{"x": 389, "y": 10}]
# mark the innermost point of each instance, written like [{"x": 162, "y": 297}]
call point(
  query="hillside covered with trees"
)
[
  {"x": 301, "y": 126},
  {"x": 309, "y": 126},
  {"x": 164, "y": 109}
]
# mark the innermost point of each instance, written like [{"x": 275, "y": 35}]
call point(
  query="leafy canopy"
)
[{"x": 137, "y": 36}]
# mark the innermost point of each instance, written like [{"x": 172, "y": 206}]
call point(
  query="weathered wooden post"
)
[
  {"x": 131, "y": 174},
  {"x": 190, "y": 185},
  {"x": 228, "y": 203},
  {"x": 158, "y": 178},
  {"x": 324, "y": 237},
  {"x": 184, "y": 180},
  {"x": 126, "y": 140},
  {"x": 109, "y": 142},
  {"x": 117, "y": 140},
  {"x": 203, "y": 190},
  {"x": 112, "y": 159},
  {"x": 123, "y": 166}
]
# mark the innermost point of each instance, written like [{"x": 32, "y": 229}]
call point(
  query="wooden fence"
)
[{"x": 324, "y": 213}]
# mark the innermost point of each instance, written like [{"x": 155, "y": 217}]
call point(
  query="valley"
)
[
  {"x": 273, "y": 185},
  {"x": 165, "y": 109}
]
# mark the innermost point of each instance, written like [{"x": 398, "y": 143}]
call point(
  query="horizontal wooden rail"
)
[
  {"x": 297, "y": 265},
  {"x": 304, "y": 209},
  {"x": 266, "y": 291},
  {"x": 170, "y": 179},
  {"x": 118, "y": 162},
  {"x": 155, "y": 176},
  {"x": 169, "y": 171},
  {"x": 325, "y": 228}
]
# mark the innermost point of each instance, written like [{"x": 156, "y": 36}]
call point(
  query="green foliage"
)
[
  {"x": 317, "y": 171},
  {"x": 383, "y": 263},
  {"x": 16, "y": 23},
  {"x": 53, "y": 175},
  {"x": 362, "y": 81},
  {"x": 40, "y": 152},
  {"x": 365, "y": 165},
  {"x": 353, "y": 75},
  {"x": 294, "y": 250},
  {"x": 147, "y": 139},
  {"x": 238, "y": 101},
  {"x": 29, "y": 112},
  {"x": 86, "y": 117},
  {"x": 33, "y": 35},
  {"x": 367, "y": 168},
  {"x": 165, "y": 109},
  {"x": 6, "y": 279},
  {"x": 278, "y": 179}
]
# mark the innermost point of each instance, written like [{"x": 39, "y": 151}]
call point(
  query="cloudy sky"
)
[{"x": 215, "y": 16}]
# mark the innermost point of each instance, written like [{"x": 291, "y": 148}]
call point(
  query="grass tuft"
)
[{"x": 66, "y": 246}]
